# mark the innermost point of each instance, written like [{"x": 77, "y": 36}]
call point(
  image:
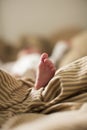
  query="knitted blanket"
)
[{"x": 67, "y": 90}]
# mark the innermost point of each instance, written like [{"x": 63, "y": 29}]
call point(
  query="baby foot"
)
[{"x": 45, "y": 72}]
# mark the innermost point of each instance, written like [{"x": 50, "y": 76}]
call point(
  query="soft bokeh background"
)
[
  {"x": 41, "y": 17},
  {"x": 39, "y": 24}
]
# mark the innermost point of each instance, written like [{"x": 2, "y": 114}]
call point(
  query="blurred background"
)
[
  {"x": 40, "y": 17},
  {"x": 40, "y": 23}
]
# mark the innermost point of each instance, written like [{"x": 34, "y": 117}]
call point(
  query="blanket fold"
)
[{"x": 67, "y": 90}]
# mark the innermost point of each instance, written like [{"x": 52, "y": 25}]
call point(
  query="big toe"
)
[{"x": 44, "y": 56}]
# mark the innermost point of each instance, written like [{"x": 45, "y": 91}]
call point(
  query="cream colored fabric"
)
[
  {"x": 78, "y": 49},
  {"x": 19, "y": 120},
  {"x": 70, "y": 120},
  {"x": 67, "y": 90}
]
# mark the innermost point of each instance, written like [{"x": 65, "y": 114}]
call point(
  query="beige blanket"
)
[
  {"x": 66, "y": 91},
  {"x": 70, "y": 120}
]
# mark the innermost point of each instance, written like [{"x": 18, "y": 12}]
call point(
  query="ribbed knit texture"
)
[{"x": 67, "y": 90}]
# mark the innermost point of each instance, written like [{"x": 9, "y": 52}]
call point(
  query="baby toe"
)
[{"x": 44, "y": 56}]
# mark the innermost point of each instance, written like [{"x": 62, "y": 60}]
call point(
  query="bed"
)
[{"x": 70, "y": 119}]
